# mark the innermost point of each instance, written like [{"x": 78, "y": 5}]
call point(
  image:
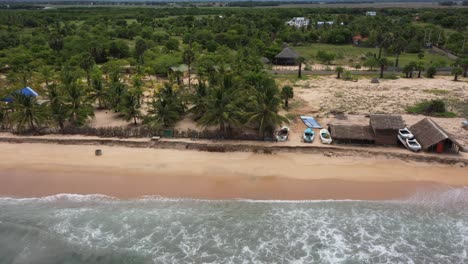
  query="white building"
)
[
  {"x": 321, "y": 23},
  {"x": 371, "y": 13},
  {"x": 298, "y": 22}
]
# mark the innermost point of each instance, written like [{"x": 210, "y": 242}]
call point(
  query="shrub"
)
[
  {"x": 347, "y": 76},
  {"x": 391, "y": 76},
  {"x": 431, "y": 71},
  {"x": 432, "y": 108}
]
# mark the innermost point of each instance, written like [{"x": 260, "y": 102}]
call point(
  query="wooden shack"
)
[
  {"x": 351, "y": 134},
  {"x": 433, "y": 138},
  {"x": 286, "y": 57},
  {"x": 385, "y": 128}
]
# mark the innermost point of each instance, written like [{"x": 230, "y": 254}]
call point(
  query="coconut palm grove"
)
[{"x": 155, "y": 66}]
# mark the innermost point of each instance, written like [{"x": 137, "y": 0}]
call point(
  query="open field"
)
[{"x": 351, "y": 55}]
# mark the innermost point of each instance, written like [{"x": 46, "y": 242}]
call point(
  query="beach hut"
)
[
  {"x": 434, "y": 138},
  {"x": 385, "y": 128},
  {"x": 351, "y": 134},
  {"x": 26, "y": 91},
  {"x": 286, "y": 57}
]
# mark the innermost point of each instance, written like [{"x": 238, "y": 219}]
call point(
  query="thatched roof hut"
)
[
  {"x": 385, "y": 128},
  {"x": 386, "y": 122},
  {"x": 432, "y": 137},
  {"x": 353, "y": 134},
  {"x": 286, "y": 57}
]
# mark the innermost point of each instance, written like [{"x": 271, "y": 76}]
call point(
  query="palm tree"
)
[
  {"x": 47, "y": 73},
  {"x": 287, "y": 93},
  {"x": 188, "y": 57},
  {"x": 339, "y": 70},
  {"x": 138, "y": 88},
  {"x": 398, "y": 47},
  {"x": 420, "y": 68},
  {"x": 98, "y": 92},
  {"x": 79, "y": 106},
  {"x": 57, "y": 107},
  {"x": 86, "y": 62},
  {"x": 300, "y": 61},
  {"x": 165, "y": 108},
  {"x": 463, "y": 62},
  {"x": 455, "y": 72},
  {"x": 265, "y": 114},
  {"x": 77, "y": 99},
  {"x": 28, "y": 113},
  {"x": 131, "y": 107},
  {"x": 382, "y": 63},
  {"x": 199, "y": 101},
  {"x": 221, "y": 110}
]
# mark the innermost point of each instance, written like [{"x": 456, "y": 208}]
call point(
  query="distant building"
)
[
  {"x": 371, "y": 13},
  {"x": 358, "y": 39},
  {"x": 298, "y": 22},
  {"x": 321, "y": 23}
]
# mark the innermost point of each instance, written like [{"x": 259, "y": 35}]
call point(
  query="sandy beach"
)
[{"x": 36, "y": 170}]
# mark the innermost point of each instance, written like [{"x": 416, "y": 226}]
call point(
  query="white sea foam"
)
[
  {"x": 62, "y": 197},
  {"x": 455, "y": 197}
]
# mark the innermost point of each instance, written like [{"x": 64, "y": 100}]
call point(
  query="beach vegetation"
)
[
  {"x": 339, "y": 70},
  {"x": 83, "y": 59},
  {"x": 431, "y": 72},
  {"x": 287, "y": 92},
  {"x": 28, "y": 113},
  {"x": 165, "y": 108},
  {"x": 431, "y": 108},
  {"x": 456, "y": 71}
]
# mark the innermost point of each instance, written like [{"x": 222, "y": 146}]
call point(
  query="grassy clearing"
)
[
  {"x": 436, "y": 91},
  {"x": 351, "y": 55}
]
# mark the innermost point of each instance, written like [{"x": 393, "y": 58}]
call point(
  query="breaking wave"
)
[{"x": 68, "y": 228}]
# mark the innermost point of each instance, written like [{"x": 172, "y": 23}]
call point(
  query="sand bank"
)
[{"x": 34, "y": 170}]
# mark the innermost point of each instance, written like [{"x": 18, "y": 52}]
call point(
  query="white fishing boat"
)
[
  {"x": 405, "y": 133},
  {"x": 413, "y": 145},
  {"x": 282, "y": 134},
  {"x": 325, "y": 136}
]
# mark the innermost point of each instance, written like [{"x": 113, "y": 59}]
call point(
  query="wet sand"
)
[{"x": 36, "y": 170}]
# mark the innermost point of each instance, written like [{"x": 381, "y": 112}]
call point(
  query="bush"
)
[
  {"x": 391, "y": 76},
  {"x": 431, "y": 71},
  {"x": 347, "y": 76},
  {"x": 325, "y": 57},
  {"x": 432, "y": 108}
]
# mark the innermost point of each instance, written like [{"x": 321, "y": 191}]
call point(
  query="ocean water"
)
[{"x": 70, "y": 229}]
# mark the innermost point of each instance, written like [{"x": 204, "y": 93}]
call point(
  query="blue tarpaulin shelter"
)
[
  {"x": 310, "y": 122},
  {"x": 26, "y": 91}
]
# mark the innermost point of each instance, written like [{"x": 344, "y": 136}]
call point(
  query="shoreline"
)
[
  {"x": 242, "y": 146},
  {"x": 38, "y": 170}
]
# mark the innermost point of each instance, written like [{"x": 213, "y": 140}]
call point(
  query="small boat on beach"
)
[
  {"x": 413, "y": 145},
  {"x": 308, "y": 135},
  {"x": 282, "y": 134},
  {"x": 325, "y": 136},
  {"x": 405, "y": 133}
]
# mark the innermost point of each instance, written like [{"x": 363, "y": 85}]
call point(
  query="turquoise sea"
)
[{"x": 66, "y": 228}]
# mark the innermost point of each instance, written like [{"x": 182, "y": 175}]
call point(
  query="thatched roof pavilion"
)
[
  {"x": 286, "y": 57},
  {"x": 434, "y": 138},
  {"x": 386, "y": 122},
  {"x": 354, "y": 134},
  {"x": 385, "y": 128}
]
